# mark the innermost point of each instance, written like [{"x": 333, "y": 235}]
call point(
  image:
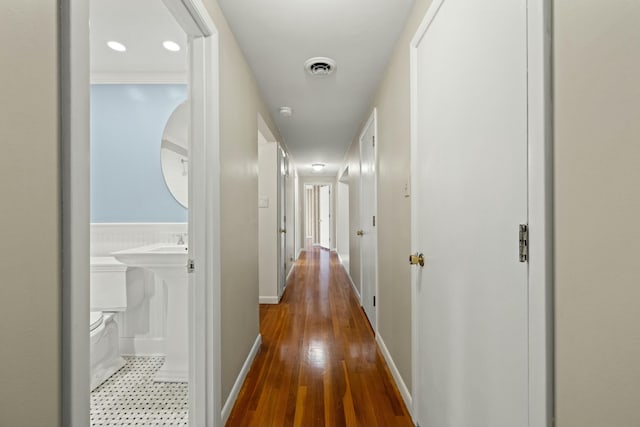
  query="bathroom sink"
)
[
  {"x": 159, "y": 255},
  {"x": 169, "y": 263},
  {"x": 178, "y": 249}
]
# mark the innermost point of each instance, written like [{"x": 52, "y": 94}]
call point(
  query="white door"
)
[
  {"x": 282, "y": 221},
  {"x": 325, "y": 216},
  {"x": 469, "y": 169},
  {"x": 369, "y": 240}
]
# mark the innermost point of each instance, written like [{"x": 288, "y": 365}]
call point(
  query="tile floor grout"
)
[{"x": 131, "y": 397}]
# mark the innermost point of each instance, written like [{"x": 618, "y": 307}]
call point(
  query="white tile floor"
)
[{"x": 131, "y": 398}]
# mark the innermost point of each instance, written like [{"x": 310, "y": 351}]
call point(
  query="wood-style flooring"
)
[{"x": 319, "y": 364}]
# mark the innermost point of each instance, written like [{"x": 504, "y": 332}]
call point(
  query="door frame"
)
[
  {"x": 540, "y": 205},
  {"x": 305, "y": 209},
  {"x": 204, "y": 315},
  {"x": 342, "y": 178},
  {"x": 283, "y": 167},
  {"x": 372, "y": 121}
]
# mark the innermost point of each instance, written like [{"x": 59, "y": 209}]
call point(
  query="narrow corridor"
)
[{"x": 319, "y": 364}]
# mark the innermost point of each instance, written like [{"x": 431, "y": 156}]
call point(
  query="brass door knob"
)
[
  {"x": 360, "y": 233},
  {"x": 416, "y": 259}
]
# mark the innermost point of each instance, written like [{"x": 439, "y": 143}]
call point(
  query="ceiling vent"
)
[{"x": 320, "y": 66}]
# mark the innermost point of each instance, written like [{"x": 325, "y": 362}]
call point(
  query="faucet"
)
[{"x": 181, "y": 237}]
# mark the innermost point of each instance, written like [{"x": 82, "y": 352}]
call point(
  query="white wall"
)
[{"x": 268, "y": 221}]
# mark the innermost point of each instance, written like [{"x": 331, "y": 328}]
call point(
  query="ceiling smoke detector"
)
[
  {"x": 320, "y": 66},
  {"x": 286, "y": 111}
]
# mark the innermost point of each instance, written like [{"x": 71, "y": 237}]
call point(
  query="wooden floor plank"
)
[{"x": 319, "y": 364}]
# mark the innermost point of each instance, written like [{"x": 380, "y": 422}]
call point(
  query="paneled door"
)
[
  {"x": 469, "y": 183},
  {"x": 324, "y": 216},
  {"x": 368, "y": 233}
]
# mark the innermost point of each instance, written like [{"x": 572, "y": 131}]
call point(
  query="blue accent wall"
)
[{"x": 127, "y": 122}]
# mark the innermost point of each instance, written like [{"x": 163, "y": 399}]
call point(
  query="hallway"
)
[{"x": 319, "y": 364}]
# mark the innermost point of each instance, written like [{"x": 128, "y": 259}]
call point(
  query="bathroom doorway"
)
[{"x": 126, "y": 227}]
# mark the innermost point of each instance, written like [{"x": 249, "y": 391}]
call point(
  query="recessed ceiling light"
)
[
  {"x": 317, "y": 167},
  {"x": 172, "y": 46},
  {"x": 119, "y": 47},
  {"x": 286, "y": 111}
]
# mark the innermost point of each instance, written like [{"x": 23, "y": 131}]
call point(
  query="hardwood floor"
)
[{"x": 319, "y": 364}]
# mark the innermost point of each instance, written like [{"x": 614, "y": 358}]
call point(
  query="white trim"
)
[
  {"x": 204, "y": 214},
  {"x": 402, "y": 387},
  {"x": 205, "y": 384},
  {"x": 235, "y": 390},
  {"x": 293, "y": 266},
  {"x": 540, "y": 157},
  {"x": 269, "y": 300},
  {"x": 139, "y": 78},
  {"x": 372, "y": 121},
  {"x": 355, "y": 290},
  {"x": 74, "y": 158},
  {"x": 353, "y": 285},
  {"x": 540, "y": 205},
  {"x": 300, "y": 252}
]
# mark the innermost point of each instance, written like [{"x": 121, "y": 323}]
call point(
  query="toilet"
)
[{"x": 108, "y": 296}]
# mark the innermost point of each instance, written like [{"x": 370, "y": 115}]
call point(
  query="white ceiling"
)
[
  {"x": 142, "y": 26},
  {"x": 278, "y": 36}
]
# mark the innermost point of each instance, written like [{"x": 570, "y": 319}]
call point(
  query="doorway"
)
[
  {"x": 342, "y": 218},
  {"x": 318, "y": 215},
  {"x": 480, "y": 353},
  {"x": 368, "y": 212},
  {"x": 203, "y": 320}
]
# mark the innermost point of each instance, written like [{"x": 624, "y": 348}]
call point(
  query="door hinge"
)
[
  {"x": 374, "y": 220},
  {"x": 191, "y": 266},
  {"x": 524, "y": 242},
  {"x": 374, "y": 300},
  {"x": 373, "y": 140}
]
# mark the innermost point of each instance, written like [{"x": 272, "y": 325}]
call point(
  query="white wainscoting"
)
[
  {"x": 109, "y": 237},
  {"x": 142, "y": 324}
]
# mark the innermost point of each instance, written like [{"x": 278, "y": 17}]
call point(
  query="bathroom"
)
[{"x": 139, "y": 172}]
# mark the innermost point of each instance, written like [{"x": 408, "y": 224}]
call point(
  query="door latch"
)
[{"x": 191, "y": 266}]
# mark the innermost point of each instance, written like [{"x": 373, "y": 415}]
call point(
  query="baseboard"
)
[
  {"x": 355, "y": 289},
  {"x": 142, "y": 346},
  {"x": 402, "y": 387},
  {"x": 289, "y": 274},
  {"x": 269, "y": 300},
  {"x": 300, "y": 252},
  {"x": 233, "y": 395}
]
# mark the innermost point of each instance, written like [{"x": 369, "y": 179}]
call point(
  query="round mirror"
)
[{"x": 174, "y": 154}]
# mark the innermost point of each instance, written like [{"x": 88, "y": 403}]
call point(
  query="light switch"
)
[{"x": 263, "y": 202}]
